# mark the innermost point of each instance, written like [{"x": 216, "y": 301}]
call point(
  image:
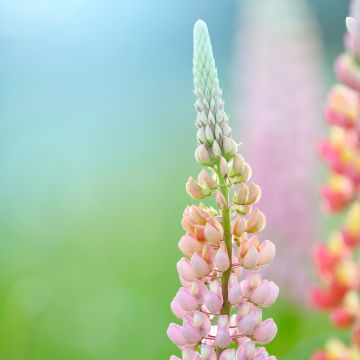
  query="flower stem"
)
[{"x": 226, "y": 307}]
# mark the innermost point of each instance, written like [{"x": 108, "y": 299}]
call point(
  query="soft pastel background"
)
[{"x": 96, "y": 142}]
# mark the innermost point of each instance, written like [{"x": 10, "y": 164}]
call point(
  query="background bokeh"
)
[{"x": 96, "y": 141}]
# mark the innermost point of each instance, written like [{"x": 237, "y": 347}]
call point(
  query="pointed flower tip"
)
[
  {"x": 200, "y": 27},
  {"x": 202, "y": 41}
]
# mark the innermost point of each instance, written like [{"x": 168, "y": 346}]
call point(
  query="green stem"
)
[{"x": 226, "y": 308}]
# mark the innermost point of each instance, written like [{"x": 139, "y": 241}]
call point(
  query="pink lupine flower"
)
[
  {"x": 265, "y": 332},
  {"x": 279, "y": 93},
  {"x": 219, "y": 307},
  {"x": 337, "y": 261}
]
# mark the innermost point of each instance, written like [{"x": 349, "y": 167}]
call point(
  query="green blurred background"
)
[{"x": 96, "y": 141}]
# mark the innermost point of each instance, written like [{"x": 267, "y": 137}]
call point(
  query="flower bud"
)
[
  {"x": 243, "y": 209},
  {"x": 254, "y": 240},
  {"x": 206, "y": 180},
  {"x": 229, "y": 147},
  {"x": 236, "y": 294},
  {"x": 185, "y": 270},
  {"x": 256, "y": 222},
  {"x": 228, "y": 354},
  {"x": 244, "y": 247},
  {"x": 199, "y": 232},
  {"x": 246, "y": 324},
  {"x": 250, "y": 259},
  {"x": 208, "y": 254},
  {"x": 187, "y": 225},
  {"x": 218, "y": 132},
  {"x": 223, "y": 338},
  {"x": 223, "y": 167},
  {"x": 202, "y": 323},
  {"x": 202, "y": 118},
  {"x": 209, "y": 135},
  {"x": 237, "y": 165},
  {"x": 186, "y": 300},
  {"x": 265, "y": 332},
  {"x": 188, "y": 245},
  {"x": 198, "y": 214},
  {"x": 202, "y": 155},
  {"x": 199, "y": 265},
  {"x": 254, "y": 193},
  {"x": 194, "y": 189},
  {"x": 222, "y": 261},
  {"x": 243, "y": 309},
  {"x": 238, "y": 226},
  {"x": 265, "y": 294},
  {"x": 212, "y": 235},
  {"x": 216, "y": 150},
  {"x": 174, "y": 332},
  {"x": 225, "y": 128},
  {"x": 242, "y": 195},
  {"x": 200, "y": 135},
  {"x": 245, "y": 175},
  {"x": 213, "y": 302},
  {"x": 198, "y": 290},
  {"x": 177, "y": 309},
  {"x": 266, "y": 252},
  {"x": 253, "y": 280},
  {"x": 220, "y": 200},
  {"x": 190, "y": 332},
  {"x": 211, "y": 117}
]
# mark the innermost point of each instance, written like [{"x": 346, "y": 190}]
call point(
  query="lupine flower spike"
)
[
  {"x": 338, "y": 262},
  {"x": 222, "y": 293}
]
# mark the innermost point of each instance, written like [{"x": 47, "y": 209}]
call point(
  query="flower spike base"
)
[{"x": 222, "y": 295}]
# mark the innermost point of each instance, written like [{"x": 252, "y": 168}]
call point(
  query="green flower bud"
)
[
  {"x": 223, "y": 167},
  {"x": 202, "y": 155},
  {"x": 216, "y": 150},
  {"x": 209, "y": 103},
  {"x": 229, "y": 147},
  {"x": 209, "y": 135},
  {"x": 237, "y": 165}
]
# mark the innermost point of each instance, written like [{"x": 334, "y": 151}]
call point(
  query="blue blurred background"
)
[{"x": 96, "y": 142}]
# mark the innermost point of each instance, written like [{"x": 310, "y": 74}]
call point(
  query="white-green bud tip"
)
[{"x": 212, "y": 120}]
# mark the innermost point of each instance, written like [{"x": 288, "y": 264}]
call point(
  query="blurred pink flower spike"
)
[
  {"x": 278, "y": 90},
  {"x": 337, "y": 261}
]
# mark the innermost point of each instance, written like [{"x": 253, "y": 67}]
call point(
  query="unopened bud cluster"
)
[
  {"x": 214, "y": 133},
  {"x": 222, "y": 295},
  {"x": 337, "y": 262}
]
